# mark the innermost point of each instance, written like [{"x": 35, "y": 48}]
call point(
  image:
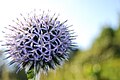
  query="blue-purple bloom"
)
[{"x": 39, "y": 42}]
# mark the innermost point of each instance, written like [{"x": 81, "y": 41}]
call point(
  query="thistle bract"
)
[{"x": 38, "y": 42}]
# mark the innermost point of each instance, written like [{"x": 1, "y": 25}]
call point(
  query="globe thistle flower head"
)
[{"x": 39, "y": 42}]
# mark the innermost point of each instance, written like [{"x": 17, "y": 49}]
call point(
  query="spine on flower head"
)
[{"x": 39, "y": 41}]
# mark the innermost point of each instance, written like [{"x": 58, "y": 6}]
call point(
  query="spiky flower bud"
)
[{"x": 38, "y": 41}]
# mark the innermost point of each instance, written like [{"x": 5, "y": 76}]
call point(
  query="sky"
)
[{"x": 86, "y": 16}]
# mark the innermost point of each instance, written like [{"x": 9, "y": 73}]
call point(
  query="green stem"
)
[
  {"x": 38, "y": 76},
  {"x": 31, "y": 75}
]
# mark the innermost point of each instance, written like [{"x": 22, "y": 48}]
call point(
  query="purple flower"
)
[{"x": 38, "y": 41}]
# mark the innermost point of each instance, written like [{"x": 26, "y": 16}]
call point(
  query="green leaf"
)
[{"x": 30, "y": 74}]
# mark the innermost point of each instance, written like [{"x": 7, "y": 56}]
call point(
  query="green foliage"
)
[{"x": 101, "y": 62}]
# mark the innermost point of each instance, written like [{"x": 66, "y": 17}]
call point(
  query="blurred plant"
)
[
  {"x": 100, "y": 62},
  {"x": 5, "y": 74},
  {"x": 38, "y": 43}
]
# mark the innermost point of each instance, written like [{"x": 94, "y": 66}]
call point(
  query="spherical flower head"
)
[{"x": 39, "y": 42}]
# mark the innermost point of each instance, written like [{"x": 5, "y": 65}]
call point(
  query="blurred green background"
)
[
  {"x": 97, "y": 59},
  {"x": 100, "y": 62}
]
